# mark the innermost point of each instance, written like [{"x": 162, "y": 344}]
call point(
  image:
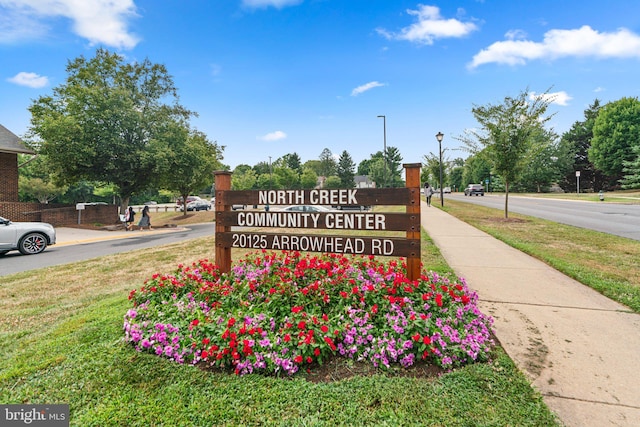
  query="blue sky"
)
[{"x": 271, "y": 77}]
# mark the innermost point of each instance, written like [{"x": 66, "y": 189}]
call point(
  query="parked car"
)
[
  {"x": 351, "y": 207},
  {"x": 236, "y": 207},
  {"x": 307, "y": 208},
  {"x": 197, "y": 205},
  {"x": 446, "y": 190},
  {"x": 27, "y": 237},
  {"x": 474, "y": 190},
  {"x": 189, "y": 199}
]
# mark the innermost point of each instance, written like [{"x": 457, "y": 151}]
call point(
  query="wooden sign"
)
[{"x": 374, "y": 222}]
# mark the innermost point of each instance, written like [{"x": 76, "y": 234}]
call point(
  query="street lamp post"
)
[
  {"x": 439, "y": 137},
  {"x": 384, "y": 151}
]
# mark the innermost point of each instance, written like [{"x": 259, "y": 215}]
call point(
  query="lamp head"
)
[{"x": 439, "y": 136}]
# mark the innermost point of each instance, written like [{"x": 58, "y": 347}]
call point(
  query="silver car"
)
[{"x": 27, "y": 237}]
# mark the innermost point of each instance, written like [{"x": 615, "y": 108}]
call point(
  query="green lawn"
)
[{"x": 61, "y": 337}]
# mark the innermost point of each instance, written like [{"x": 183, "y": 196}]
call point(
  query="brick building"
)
[
  {"x": 10, "y": 146},
  {"x": 56, "y": 214}
]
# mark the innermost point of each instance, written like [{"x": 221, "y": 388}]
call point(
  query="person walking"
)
[
  {"x": 428, "y": 192},
  {"x": 129, "y": 218},
  {"x": 145, "y": 221}
]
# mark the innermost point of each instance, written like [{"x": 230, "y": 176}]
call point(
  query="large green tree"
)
[
  {"x": 99, "y": 123},
  {"x": 505, "y": 133},
  {"x": 615, "y": 132}
]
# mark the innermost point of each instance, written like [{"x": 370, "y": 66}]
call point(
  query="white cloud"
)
[
  {"x": 99, "y": 21},
  {"x": 599, "y": 89},
  {"x": 32, "y": 80},
  {"x": 583, "y": 42},
  {"x": 278, "y": 4},
  {"x": 365, "y": 87},
  {"x": 430, "y": 26},
  {"x": 273, "y": 136},
  {"x": 558, "y": 98}
]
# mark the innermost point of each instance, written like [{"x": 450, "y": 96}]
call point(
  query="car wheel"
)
[{"x": 32, "y": 243}]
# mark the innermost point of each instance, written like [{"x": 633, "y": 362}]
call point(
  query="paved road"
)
[
  {"x": 14, "y": 262},
  {"x": 612, "y": 218}
]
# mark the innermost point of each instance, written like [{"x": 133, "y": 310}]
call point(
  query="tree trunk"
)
[
  {"x": 506, "y": 199},
  {"x": 124, "y": 205}
]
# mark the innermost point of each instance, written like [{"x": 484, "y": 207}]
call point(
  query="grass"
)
[
  {"x": 61, "y": 338},
  {"x": 606, "y": 263}
]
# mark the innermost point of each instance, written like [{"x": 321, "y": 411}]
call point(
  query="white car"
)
[
  {"x": 307, "y": 208},
  {"x": 27, "y": 237}
]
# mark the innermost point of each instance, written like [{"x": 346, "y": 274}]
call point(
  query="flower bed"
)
[{"x": 279, "y": 312}]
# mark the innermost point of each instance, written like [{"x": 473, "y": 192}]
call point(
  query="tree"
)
[
  {"x": 333, "y": 182},
  {"x": 505, "y": 132},
  {"x": 431, "y": 170},
  {"x": 377, "y": 171},
  {"x": 185, "y": 159},
  {"x": 243, "y": 178},
  {"x": 394, "y": 168},
  {"x": 546, "y": 163},
  {"x": 292, "y": 161},
  {"x": 576, "y": 142},
  {"x": 476, "y": 169},
  {"x": 287, "y": 177},
  {"x": 34, "y": 181},
  {"x": 98, "y": 124},
  {"x": 346, "y": 170},
  {"x": 615, "y": 132},
  {"x": 38, "y": 189},
  {"x": 327, "y": 163},
  {"x": 308, "y": 179},
  {"x": 631, "y": 179}
]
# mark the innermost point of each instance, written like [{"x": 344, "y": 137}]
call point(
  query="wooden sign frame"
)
[{"x": 409, "y": 222}]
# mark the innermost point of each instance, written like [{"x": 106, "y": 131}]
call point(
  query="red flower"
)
[
  {"x": 325, "y": 317},
  {"x": 316, "y": 351},
  {"x": 287, "y": 337},
  {"x": 324, "y": 329},
  {"x": 309, "y": 359},
  {"x": 426, "y": 340},
  {"x": 343, "y": 294},
  {"x": 272, "y": 291},
  {"x": 204, "y": 354},
  {"x": 205, "y": 341},
  {"x": 297, "y": 309},
  {"x": 298, "y": 359},
  {"x": 439, "y": 300},
  {"x": 231, "y": 322},
  {"x": 329, "y": 341},
  {"x": 374, "y": 309},
  {"x": 416, "y": 337},
  {"x": 302, "y": 324}
]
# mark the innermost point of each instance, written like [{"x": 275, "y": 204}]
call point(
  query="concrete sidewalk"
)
[
  {"x": 74, "y": 236},
  {"x": 580, "y": 349}
]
